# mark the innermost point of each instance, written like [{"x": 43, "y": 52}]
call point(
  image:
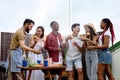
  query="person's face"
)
[
  {"x": 76, "y": 30},
  {"x": 102, "y": 25},
  {"x": 87, "y": 30},
  {"x": 56, "y": 26},
  {"x": 28, "y": 27},
  {"x": 39, "y": 32}
]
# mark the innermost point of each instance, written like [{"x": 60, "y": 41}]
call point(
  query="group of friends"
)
[{"x": 71, "y": 47}]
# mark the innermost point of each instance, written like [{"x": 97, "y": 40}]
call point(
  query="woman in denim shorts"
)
[{"x": 104, "y": 54}]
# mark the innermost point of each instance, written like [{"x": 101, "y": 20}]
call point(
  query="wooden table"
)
[{"x": 41, "y": 67}]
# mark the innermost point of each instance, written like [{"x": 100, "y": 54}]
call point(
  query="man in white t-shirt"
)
[{"x": 73, "y": 54}]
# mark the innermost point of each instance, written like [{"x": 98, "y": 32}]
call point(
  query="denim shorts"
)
[
  {"x": 77, "y": 63},
  {"x": 104, "y": 56}
]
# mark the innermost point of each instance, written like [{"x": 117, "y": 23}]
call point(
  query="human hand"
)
[
  {"x": 84, "y": 39},
  {"x": 37, "y": 51},
  {"x": 90, "y": 47},
  {"x": 60, "y": 49},
  {"x": 88, "y": 34},
  {"x": 75, "y": 44}
]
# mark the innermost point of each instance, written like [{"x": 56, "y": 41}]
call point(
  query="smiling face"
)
[
  {"x": 28, "y": 27},
  {"x": 102, "y": 25},
  {"x": 55, "y": 26},
  {"x": 76, "y": 30},
  {"x": 87, "y": 30},
  {"x": 39, "y": 32}
]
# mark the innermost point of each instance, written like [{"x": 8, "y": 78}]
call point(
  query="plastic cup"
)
[
  {"x": 45, "y": 62},
  {"x": 24, "y": 63},
  {"x": 38, "y": 61}
]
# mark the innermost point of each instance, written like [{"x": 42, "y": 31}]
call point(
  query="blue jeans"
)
[
  {"x": 91, "y": 58},
  {"x": 104, "y": 56}
]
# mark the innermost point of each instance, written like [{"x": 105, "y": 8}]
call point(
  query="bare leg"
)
[
  {"x": 108, "y": 72},
  {"x": 100, "y": 71},
  {"x": 80, "y": 74},
  {"x": 70, "y": 75}
]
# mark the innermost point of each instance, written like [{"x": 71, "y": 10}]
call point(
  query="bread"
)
[{"x": 35, "y": 37}]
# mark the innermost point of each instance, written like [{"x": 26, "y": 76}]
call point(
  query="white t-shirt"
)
[
  {"x": 73, "y": 52},
  {"x": 60, "y": 54},
  {"x": 106, "y": 33}
]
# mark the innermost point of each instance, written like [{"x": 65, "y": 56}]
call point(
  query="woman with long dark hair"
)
[
  {"x": 104, "y": 54},
  {"x": 37, "y": 43},
  {"x": 91, "y": 56}
]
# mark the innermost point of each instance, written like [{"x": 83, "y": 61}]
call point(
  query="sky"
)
[{"x": 65, "y": 12}]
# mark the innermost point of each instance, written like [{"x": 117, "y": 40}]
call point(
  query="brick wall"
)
[
  {"x": 5, "y": 43},
  {"x": 5, "y": 39}
]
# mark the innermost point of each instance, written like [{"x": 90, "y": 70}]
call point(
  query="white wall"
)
[{"x": 116, "y": 64}]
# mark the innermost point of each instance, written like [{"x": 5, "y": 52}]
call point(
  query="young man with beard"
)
[
  {"x": 53, "y": 44},
  {"x": 17, "y": 47},
  {"x": 73, "y": 45}
]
